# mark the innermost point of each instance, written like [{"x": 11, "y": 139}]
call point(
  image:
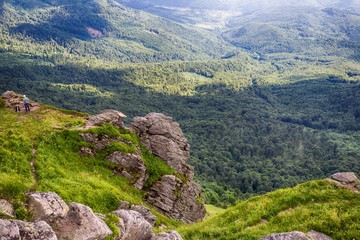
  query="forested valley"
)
[{"x": 256, "y": 121}]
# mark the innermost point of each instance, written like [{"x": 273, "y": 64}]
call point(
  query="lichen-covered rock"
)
[
  {"x": 131, "y": 166},
  {"x": 172, "y": 235},
  {"x": 135, "y": 225},
  {"x": 286, "y": 236},
  {"x": 6, "y": 208},
  {"x": 164, "y": 138},
  {"x": 9, "y": 230},
  {"x": 35, "y": 230},
  {"x": 81, "y": 223},
  {"x": 177, "y": 199},
  {"x": 108, "y": 116},
  {"x": 47, "y": 206}
]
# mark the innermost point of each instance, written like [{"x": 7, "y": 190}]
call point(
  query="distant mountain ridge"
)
[{"x": 103, "y": 29}]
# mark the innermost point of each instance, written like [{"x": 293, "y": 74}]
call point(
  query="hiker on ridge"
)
[{"x": 26, "y": 104}]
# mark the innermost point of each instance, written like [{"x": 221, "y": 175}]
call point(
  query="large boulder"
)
[
  {"x": 172, "y": 235},
  {"x": 347, "y": 180},
  {"x": 6, "y": 208},
  {"x": 108, "y": 116},
  {"x": 47, "y": 206},
  {"x": 164, "y": 138},
  {"x": 177, "y": 199},
  {"x": 39, "y": 230},
  {"x": 345, "y": 177},
  {"x": 81, "y": 223},
  {"x": 135, "y": 225},
  {"x": 13, "y": 99},
  {"x": 144, "y": 211},
  {"x": 131, "y": 166},
  {"x": 9, "y": 230}
]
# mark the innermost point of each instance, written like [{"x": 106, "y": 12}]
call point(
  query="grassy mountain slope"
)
[
  {"x": 48, "y": 139},
  {"x": 315, "y": 205},
  {"x": 100, "y": 29}
]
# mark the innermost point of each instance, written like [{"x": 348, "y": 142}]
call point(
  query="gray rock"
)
[
  {"x": 286, "y": 236},
  {"x": 81, "y": 223},
  {"x": 108, "y": 116},
  {"x": 318, "y": 236},
  {"x": 35, "y": 230},
  {"x": 345, "y": 177},
  {"x": 47, "y": 206},
  {"x": 177, "y": 199},
  {"x": 6, "y": 208},
  {"x": 135, "y": 225},
  {"x": 164, "y": 138},
  {"x": 145, "y": 212},
  {"x": 131, "y": 166},
  {"x": 9, "y": 230},
  {"x": 172, "y": 235}
]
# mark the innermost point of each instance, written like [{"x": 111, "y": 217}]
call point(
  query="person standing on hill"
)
[{"x": 26, "y": 104}]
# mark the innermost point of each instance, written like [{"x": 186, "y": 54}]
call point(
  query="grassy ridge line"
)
[
  {"x": 60, "y": 168},
  {"x": 315, "y": 205}
]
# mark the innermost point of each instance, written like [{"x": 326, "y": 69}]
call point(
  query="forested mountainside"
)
[
  {"x": 100, "y": 29},
  {"x": 255, "y": 121}
]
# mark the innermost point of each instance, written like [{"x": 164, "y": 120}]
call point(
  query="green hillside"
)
[
  {"x": 315, "y": 205},
  {"x": 39, "y": 151}
]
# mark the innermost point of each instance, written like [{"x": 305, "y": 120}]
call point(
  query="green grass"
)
[
  {"x": 61, "y": 168},
  {"x": 315, "y": 205}
]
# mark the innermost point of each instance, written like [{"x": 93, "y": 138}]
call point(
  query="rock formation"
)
[
  {"x": 81, "y": 223},
  {"x": 177, "y": 199},
  {"x": 6, "y": 208},
  {"x": 312, "y": 235},
  {"x": 172, "y": 235},
  {"x": 39, "y": 230},
  {"x": 347, "y": 180},
  {"x": 108, "y": 116},
  {"x": 131, "y": 166},
  {"x": 144, "y": 211},
  {"x": 135, "y": 225},
  {"x": 164, "y": 138},
  {"x": 13, "y": 99},
  {"x": 171, "y": 195}
]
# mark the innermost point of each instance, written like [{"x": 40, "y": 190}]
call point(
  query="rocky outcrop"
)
[
  {"x": 108, "y": 116},
  {"x": 347, "y": 180},
  {"x": 172, "y": 235},
  {"x": 47, "y": 206},
  {"x": 135, "y": 225},
  {"x": 9, "y": 230},
  {"x": 81, "y": 223},
  {"x": 35, "y": 230},
  {"x": 13, "y": 99},
  {"x": 131, "y": 166},
  {"x": 177, "y": 199},
  {"x": 164, "y": 138},
  {"x": 312, "y": 235},
  {"x": 6, "y": 208},
  {"x": 144, "y": 211}
]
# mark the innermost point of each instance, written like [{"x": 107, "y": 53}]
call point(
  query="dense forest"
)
[{"x": 255, "y": 121}]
